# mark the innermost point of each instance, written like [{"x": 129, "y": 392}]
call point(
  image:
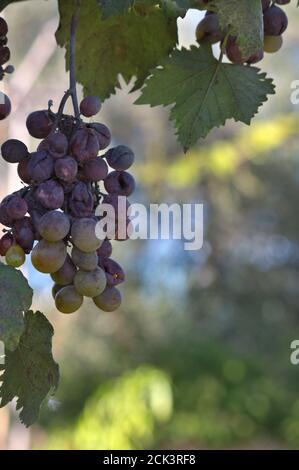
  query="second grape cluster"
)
[
  {"x": 275, "y": 24},
  {"x": 53, "y": 215}
]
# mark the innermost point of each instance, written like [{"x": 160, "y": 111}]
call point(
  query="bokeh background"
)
[{"x": 198, "y": 356}]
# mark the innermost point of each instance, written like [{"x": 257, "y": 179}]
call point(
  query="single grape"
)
[
  {"x": 5, "y": 106},
  {"x": 66, "y": 169},
  {"x": 90, "y": 106},
  {"x": 6, "y": 242},
  {"x": 103, "y": 134},
  {"x": 95, "y": 170},
  {"x": 120, "y": 183},
  {"x": 81, "y": 201},
  {"x": 91, "y": 283},
  {"x": 65, "y": 275},
  {"x": 40, "y": 166},
  {"x": 23, "y": 232},
  {"x": 85, "y": 261},
  {"x": 3, "y": 27},
  {"x": 272, "y": 44},
  {"x": 54, "y": 226},
  {"x": 84, "y": 235},
  {"x": 23, "y": 171},
  {"x": 14, "y": 151},
  {"x": 120, "y": 158},
  {"x": 16, "y": 207},
  {"x": 114, "y": 272},
  {"x": 48, "y": 257},
  {"x": 9, "y": 69},
  {"x": 109, "y": 300},
  {"x": 15, "y": 256},
  {"x": 39, "y": 124},
  {"x": 4, "y": 55},
  {"x": 68, "y": 300},
  {"x": 84, "y": 144},
  {"x": 50, "y": 194},
  {"x": 275, "y": 21},
  {"x": 56, "y": 144},
  {"x": 105, "y": 250},
  {"x": 209, "y": 30}
]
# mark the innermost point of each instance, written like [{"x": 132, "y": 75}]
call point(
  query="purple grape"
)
[
  {"x": 5, "y": 218},
  {"x": 103, "y": 134},
  {"x": 23, "y": 171},
  {"x": 266, "y": 4},
  {"x": 5, "y": 106},
  {"x": 113, "y": 200},
  {"x": 39, "y": 124},
  {"x": 3, "y": 27},
  {"x": 275, "y": 21},
  {"x": 95, "y": 170},
  {"x": 90, "y": 106},
  {"x": 81, "y": 201},
  {"x": 109, "y": 300},
  {"x": 14, "y": 151},
  {"x": 50, "y": 194},
  {"x": 16, "y": 207},
  {"x": 56, "y": 144},
  {"x": 65, "y": 275},
  {"x": 66, "y": 169},
  {"x": 41, "y": 166},
  {"x": 114, "y": 272},
  {"x": 5, "y": 243},
  {"x": 120, "y": 158},
  {"x": 24, "y": 234},
  {"x": 120, "y": 183},
  {"x": 84, "y": 144},
  {"x": 4, "y": 55},
  {"x": 105, "y": 250}
]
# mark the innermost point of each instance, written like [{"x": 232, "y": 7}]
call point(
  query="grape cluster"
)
[
  {"x": 275, "y": 24},
  {"x": 5, "y": 104},
  {"x": 53, "y": 215}
]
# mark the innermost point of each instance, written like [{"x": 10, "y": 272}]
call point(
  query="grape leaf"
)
[
  {"x": 15, "y": 299},
  {"x": 244, "y": 19},
  {"x": 129, "y": 44},
  {"x": 114, "y": 7},
  {"x": 204, "y": 92},
  {"x": 30, "y": 372}
]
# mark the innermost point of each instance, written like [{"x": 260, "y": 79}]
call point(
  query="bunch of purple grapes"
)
[
  {"x": 275, "y": 24},
  {"x": 5, "y": 104},
  {"x": 53, "y": 215}
]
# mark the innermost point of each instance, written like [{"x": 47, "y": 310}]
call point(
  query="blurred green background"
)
[{"x": 198, "y": 356}]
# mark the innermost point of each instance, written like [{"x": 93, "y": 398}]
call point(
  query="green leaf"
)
[
  {"x": 114, "y": 7},
  {"x": 30, "y": 372},
  {"x": 204, "y": 92},
  {"x": 15, "y": 299},
  {"x": 244, "y": 19},
  {"x": 128, "y": 44}
]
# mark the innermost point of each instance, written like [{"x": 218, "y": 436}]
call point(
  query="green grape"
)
[
  {"x": 90, "y": 284},
  {"x": 15, "y": 256},
  {"x": 55, "y": 289},
  {"x": 109, "y": 300},
  {"x": 48, "y": 257},
  {"x": 54, "y": 226},
  {"x": 85, "y": 261},
  {"x": 272, "y": 44},
  {"x": 84, "y": 235},
  {"x": 68, "y": 300},
  {"x": 65, "y": 275}
]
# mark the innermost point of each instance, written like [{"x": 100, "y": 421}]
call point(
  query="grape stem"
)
[{"x": 72, "y": 91}]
